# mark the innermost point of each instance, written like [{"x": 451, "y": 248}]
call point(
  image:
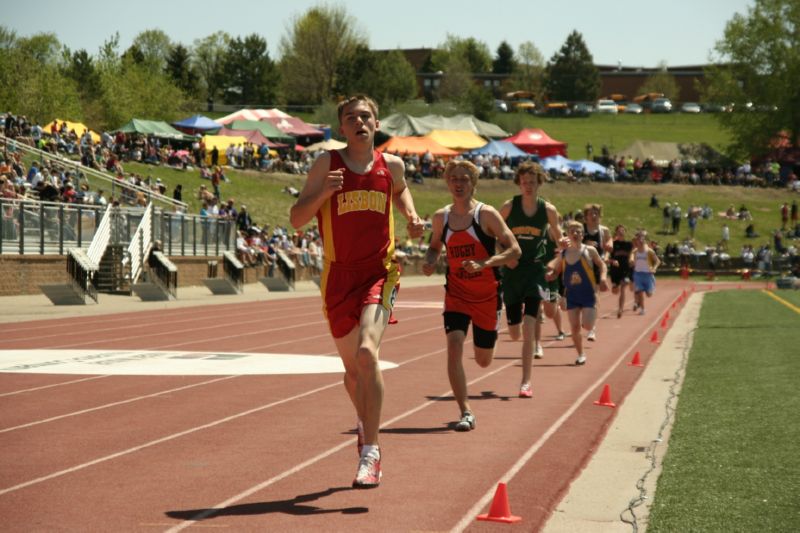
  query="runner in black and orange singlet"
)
[{"x": 469, "y": 230}]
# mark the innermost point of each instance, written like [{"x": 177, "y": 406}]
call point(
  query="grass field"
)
[{"x": 732, "y": 462}]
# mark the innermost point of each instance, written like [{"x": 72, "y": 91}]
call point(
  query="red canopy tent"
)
[{"x": 536, "y": 141}]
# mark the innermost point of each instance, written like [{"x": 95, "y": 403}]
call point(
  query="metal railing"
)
[
  {"x": 81, "y": 272},
  {"x": 32, "y": 227},
  {"x": 163, "y": 273},
  {"x": 233, "y": 269},
  {"x": 109, "y": 179},
  {"x": 141, "y": 243}
]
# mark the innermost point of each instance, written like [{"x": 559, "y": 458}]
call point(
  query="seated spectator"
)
[
  {"x": 750, "y": 232},
  {"x": 243, "y": 251}
]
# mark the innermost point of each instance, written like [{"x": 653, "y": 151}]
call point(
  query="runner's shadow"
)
[
  {"x": 293, "y": 507},
  {"x": 485, "y": 395}
]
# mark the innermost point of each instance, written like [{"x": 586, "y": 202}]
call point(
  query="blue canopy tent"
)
[
  {"x": 500, "y": 149},
  {"x": 591, "y": 167},
  {"x": 555, "y": 162},
  {"x": 197, "y": 124}
]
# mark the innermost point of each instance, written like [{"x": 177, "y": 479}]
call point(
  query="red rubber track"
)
[{"x": 277, "y": 452}]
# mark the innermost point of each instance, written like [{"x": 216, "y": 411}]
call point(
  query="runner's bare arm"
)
[
  {"x": 601, "y": 265},
  {"x": 320, "y": 184},
  {"x": 435, "y": 246},
  {"x": 402, "y": 199},
  {"x": 561, "y": 240},
  {"x": 493, "y": 224}
]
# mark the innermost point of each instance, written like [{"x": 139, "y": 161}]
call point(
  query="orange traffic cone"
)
[
  {"x": 654, "y": 337},
  {"x": 605, "y": 397},
  {"x": 636, "y": 361},
  {"x": 500, "y": 511}
]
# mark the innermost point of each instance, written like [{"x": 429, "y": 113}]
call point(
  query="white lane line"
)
[
  {"x": 167, "y": 438},
  {"x": 172, "y": 316},
  {"x": 327, "y": 453},
  {"x": 114, "y": 404},
  {"x": 60, "y": 384},
  {"x": 470, "y": 516}
]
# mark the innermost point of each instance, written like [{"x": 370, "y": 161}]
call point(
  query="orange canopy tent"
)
[
  {"x": 415, "y": 145},
  {"x": 536, "y": 141}
]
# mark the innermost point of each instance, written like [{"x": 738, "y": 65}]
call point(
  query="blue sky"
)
[{"x": 636, "y": 33}]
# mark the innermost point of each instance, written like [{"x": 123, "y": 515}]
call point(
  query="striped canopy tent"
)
[
  {"x": 253, "y": 114},
  {"x": 265, "y": 128}
]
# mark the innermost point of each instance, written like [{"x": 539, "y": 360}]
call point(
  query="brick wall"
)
[{"x": 22, "y": 274}]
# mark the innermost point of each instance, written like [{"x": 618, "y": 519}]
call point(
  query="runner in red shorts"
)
[
  {"x": 351, "y": 192},
  {"x": 469, "y": 230}
]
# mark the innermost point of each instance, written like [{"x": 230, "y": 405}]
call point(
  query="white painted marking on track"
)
[
  {"x": 168, "y": 363},
  {"x": 404, "y": 304}
]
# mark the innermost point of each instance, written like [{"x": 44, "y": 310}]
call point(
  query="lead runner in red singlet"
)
[
  {"x": 469, "y": 230},
  {"x": 351, "y": 192}
]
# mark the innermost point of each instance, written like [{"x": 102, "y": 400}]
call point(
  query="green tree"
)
[
  {"x": 571, "y": 73},
  {"x": 209, "y": 60},
  {"x": 311, "y": 53},
  {"x": 31, "y": 82},
  {"x": 504, "y": 60},
  {"x": 134, "y": 90},
  {"x": 758, "y": 62},
  {"x": 179, "y": 68},
  {"x": 385, "y": 75},
  {"x": 662, "y": 82},
  {"x": 81, "y": 69},
  {"x": 250, "y": 73},
  {"x": 470, "y": 52},
  {"x": 529, "y": 71},
  {"x": 154, "y": 47}
]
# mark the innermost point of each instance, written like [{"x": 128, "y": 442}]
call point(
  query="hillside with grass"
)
[{"x": 625, "y": 203}]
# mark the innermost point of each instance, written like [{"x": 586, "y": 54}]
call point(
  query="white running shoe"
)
[
  {"x": 368, "y": 475},
  {"x": 539, "y": 352},
  {"x": 592, "y": 335},
  {"x": 560, "y": 336},
  {"x": 581, "y": 360},
  {"x": 641, "y": 311},
  {"x": 467, "y": 422}
]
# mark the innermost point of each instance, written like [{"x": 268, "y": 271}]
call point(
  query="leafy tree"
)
[
  {"x": 571, "y": 73},
  {"x": 386, "y": 76},
  {"x": 250, "y": 73},
  {"x": 179, "y": 68},
  {"x": 81, "y": 69},
  {"x": 758, "y": 62},
  {"x": 479, "y": 101},
  {"x": 662, "y": 82},
  {"x": 134, "y": 90},
  {"x": 8, "y": 38},
  {"x": 154, "y": 47},
  {"x": 457, "y": 80},
  {"x": 504, "y": 61},
  {"x": 44, "y": 48},
  {"x": 209, "y": 59},
  {"x": 470, "y": 52},
  {"x": 311, "y": 53},
  {"x": 31, "y": 82},
  {"x": 529, "y": 71}
]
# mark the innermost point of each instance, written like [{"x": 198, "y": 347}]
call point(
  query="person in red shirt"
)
[
  {"x": 468, "y": 231},
  {"x": 350, "y": 192}
]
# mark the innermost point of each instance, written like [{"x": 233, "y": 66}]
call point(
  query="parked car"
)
[
  {"x": 582, "y": 109},
  {"x": 501, "y": 105},
  {"x": 661, "y": 105},
  {"x": 606, "y": 106},
  {"x": 690, "y": 107},
  {"x": 634, "y": 109}
]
